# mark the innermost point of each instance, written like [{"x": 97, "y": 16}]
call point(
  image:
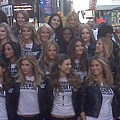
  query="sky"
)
[{"x": 81, "y": 4}]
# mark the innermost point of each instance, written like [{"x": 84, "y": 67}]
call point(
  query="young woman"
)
[
  {"x": 98, "y": 96},
  {"x": 107, "y": 31},
  {"x": 20, "y": 17},
  {"x": 11, "y": 53},
  {"x": 55, "y": 22},
  {"x": 62, "y": 90},
  {"x": 28, "y": 40},
  {"x": 29, "y": 90},
  {"x": 104, "y": 47},
  {"x": 78, "y": 55},
  {"x": 72, "y": 21},
  {"x": 5, "y": 34},
  {"x": 86, "y": 34},
  {"x": 44, "y": 33},
  {"x": 50, "y": 50},
  {"x": 7, "y": 103},
  {"x": 66, "y": 35}
]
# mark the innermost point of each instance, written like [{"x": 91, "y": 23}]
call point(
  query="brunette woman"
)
[
  {"x": 11, "y": 53},
  {"x": 88, "y": 38},
  {"x": 98, "y": 96},
  {"x": 50, "y": 50},
  {"x": 55, "y": 22},
  {"x": 66, "y": 35},
  {"x": 29, "y": 89},
  {"x": 28, "y": 40},
  {"x": 78, "y": 55},
  {"x": 7, "y": 98},
  {"x": 62, "y": 91}
]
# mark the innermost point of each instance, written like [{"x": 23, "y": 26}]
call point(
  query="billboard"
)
[
  {"x": 48, "y": 7},
  {"x": 108, "y": 2}
]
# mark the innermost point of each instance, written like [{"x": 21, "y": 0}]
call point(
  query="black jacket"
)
[
  {"x": 41, "y": 99},
  {"x": 36, "y": 50},
  {"x": 91, "y": 101},
  {"x": 50, "y": 99},
  {"x": 10, "y": 103}
]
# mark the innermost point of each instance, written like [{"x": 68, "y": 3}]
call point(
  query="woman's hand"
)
[{"x": 83, "y": 116}]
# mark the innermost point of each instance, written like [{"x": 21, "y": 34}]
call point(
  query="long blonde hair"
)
[
  {"x": 45, "y": 58},
  {"x": 10, "y": 36},
  {"x": 36, "y": 70},
  {"x": 30, "y": 26},
  {"x": 39, "y": 30},
  {"x": 76, "y": 29},
  {"x": 107, "y": 46},
  {"x": 107, "y": 74}
]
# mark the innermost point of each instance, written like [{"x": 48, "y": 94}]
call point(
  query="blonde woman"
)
[
  {"x": 72, "y": 21},
  {"x": 44, "y": 33},
  {"x": 21, "y": 17},
  {"x": 5, "y": 34},
  {"x": 29, "y": 90},
  {"x": 98, "y": 98},
  {"x": 28, "y": 40},
  {"x": 104, "y": 47},
  {"x": 50, "y": 50}
]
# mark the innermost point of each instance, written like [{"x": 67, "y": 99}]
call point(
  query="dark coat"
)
[
  {"x": 91, "y": 101},
  {"x": 10, "y": 104},
  {"x": 50, "y": 100},
  {"x": 36, "y": 50},
  {"x": 41, "y": 98}
]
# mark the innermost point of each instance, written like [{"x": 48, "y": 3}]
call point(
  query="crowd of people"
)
[{"x": 58, "y": 72}]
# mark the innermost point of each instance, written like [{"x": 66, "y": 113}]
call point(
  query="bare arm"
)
[{"x": 83, "y": 116}]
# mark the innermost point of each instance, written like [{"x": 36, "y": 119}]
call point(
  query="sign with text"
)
[
  {"x": 8, "y": 10},
  {"x": 4, "y": 2}
]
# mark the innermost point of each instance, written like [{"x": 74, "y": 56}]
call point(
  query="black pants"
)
[
  {"x": 71, "y": 118},
  {"x": 37, "y": 117}
]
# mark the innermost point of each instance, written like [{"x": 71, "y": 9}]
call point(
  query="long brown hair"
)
[
  {"x": 71, "y": 53},
  {"x": 74, "y": 80}
]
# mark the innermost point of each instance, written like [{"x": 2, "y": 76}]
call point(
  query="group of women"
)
[{"x": 56, "y": 72}]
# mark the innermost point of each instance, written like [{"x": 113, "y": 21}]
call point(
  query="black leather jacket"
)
[
  {"x": 91, "y": 101},
  {"x": 10, "y": 103},
  {"x": 41, "y": 99},
  {"x": 50, "y": 99}
]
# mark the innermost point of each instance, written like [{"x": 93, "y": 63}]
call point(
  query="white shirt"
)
[
  {"x": 106, "y": 107},
  {"x": 62, "y": 104},
  {"x": 13, "y": 70},
  {"x": 28, "y": 99},
  {"x": 77, "y": 69},
  {"x": 3, "y": 111},
  {"x": 28, "y": 49}
]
